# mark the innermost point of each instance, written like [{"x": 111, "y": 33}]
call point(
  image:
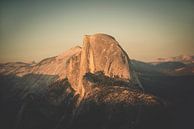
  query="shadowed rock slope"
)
[{"x": 90, "y": 87}]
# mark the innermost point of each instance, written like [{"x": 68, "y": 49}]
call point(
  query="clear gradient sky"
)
[{"x": 146, "y": 29}]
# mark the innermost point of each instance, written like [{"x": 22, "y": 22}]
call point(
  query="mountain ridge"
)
[{"x": 95, "y": 83}]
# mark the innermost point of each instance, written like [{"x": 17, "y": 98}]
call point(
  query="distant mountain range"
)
[
  {"x": 182, "y": 58},
  {"x": 176, "y": 66}
]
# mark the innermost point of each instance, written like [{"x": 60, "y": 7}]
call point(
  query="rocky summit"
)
[
  {"x": 93, "y": 86},
  {"x": 100, "y": 53}
]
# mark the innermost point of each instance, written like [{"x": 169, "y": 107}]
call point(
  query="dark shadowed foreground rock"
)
[{"x": 93, "y": 87}]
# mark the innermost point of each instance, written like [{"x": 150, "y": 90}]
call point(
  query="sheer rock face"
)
[{"x": 100, "y": 53}]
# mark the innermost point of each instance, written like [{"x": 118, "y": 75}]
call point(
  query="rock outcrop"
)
[{"x": 100, "y": 53}]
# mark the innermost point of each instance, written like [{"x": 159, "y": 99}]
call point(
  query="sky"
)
[{"x": 146, "y": 29}]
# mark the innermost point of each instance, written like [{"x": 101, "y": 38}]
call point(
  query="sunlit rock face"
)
[{"x": 100, "y": 53}]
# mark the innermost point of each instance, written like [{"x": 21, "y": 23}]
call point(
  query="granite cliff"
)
[{"x": 100, "y": 53}]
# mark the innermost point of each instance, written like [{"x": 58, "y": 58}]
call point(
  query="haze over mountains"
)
[
  {"x": 94, "y": 86},
  {"x": 176, "y": 66},
  {"x": 181, "y": 58}
]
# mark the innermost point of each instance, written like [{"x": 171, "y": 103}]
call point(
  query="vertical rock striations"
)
[{"x": 100, "y": 53}]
